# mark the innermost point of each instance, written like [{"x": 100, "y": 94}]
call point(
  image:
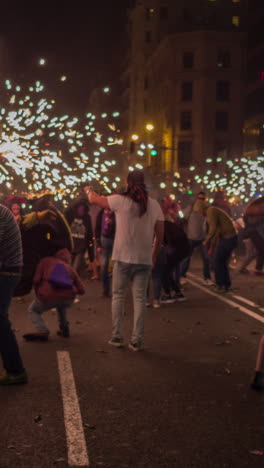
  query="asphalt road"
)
[{"x": 183, "y": 402}]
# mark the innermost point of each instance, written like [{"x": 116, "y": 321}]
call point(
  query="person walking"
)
[
  {"x": 56, "y": 284},
  {"x": 176, "y": 249},
  {"x": 10, "y": 270},
  {"x": 196, "y": 232},
  {"x": 222, "y": 237},
  {"x": 104, "y": 234},
  {"x": 139, "y": 219}
]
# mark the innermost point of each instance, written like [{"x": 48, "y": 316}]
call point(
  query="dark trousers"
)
[
  {"x": 9, "y": 351},
  {"x": 223, "y": 253},
  {"x": 107, "y": 248},
  {"x": 202, "y": 249},
  {"x": 172, "y": 272}
]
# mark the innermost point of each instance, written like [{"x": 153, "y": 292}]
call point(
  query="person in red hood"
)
[{"x": 49, "y": 295}]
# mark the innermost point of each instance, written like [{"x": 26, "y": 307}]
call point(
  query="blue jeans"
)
[
  {"x": 223, "y": 253},
  {"x": 78, "y": 261},
  {"x": 37, "y": 308},
  {"x": 138, "y": 274},
  {"x": 107, "y": 248},
  {"x": 9, "y": 350},
  {"x": 157, "y": 275},
  {"x": 202, "y": 249}
]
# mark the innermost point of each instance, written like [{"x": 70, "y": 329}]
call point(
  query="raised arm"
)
[{"x": 96, "y": 199}]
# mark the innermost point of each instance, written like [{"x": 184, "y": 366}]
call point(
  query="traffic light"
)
[{"x": 153, "y": 152}]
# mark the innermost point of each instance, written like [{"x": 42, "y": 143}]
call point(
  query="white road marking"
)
[
  {"x": 227, "y": 301},
  {"x": 243, "y": 299},
  {"x": 76, "y": 444}
]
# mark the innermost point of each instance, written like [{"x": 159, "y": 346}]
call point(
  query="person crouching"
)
[{"x": 56, "y": 284}]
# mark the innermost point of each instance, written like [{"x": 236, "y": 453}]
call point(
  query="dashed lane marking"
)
[
  {"x": 76, "y": 444},
  {"x": 227, "y": 301}
]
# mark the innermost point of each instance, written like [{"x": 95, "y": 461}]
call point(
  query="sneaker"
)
[
  {"x": 180, "y": 297},
  {"x": 36, "y": 336},
  {"x": 65, "y": 332},
  {"x": 117, "y": 342},
  {"x": 135, "y": 347},
  {"x": 167, "y": 300},
  {"x": 183, "y": 280},
  {"x": 76, "y": 300},
  {"x": 13, "y": 379},
  {"x": 156, "y": 304},
  {"x": 208, "y": 282},
  {"x": 258, "y": 382}
]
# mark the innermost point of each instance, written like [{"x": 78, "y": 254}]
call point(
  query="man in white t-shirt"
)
[{"x": 139, "y": 220}]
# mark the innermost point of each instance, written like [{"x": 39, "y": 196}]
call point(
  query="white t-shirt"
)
[{"x": 134, "y": 234}]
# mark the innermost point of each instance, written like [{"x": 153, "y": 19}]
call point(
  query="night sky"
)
[{"x": 84, "y": 40}]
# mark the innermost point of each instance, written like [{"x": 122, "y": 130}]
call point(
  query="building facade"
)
[
  {"x": 254, "y": 123},
  {"x": 187, "y": 68}
]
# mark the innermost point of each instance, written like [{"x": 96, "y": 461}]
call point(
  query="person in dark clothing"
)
[
  {"x": 11, "y": 259},
  {"x": 177, "y": 248},
  {"x": 44, "y": 232},
  {"x": 80, "y": 224},
  {"x": 254, "y": 221},
  {"x": 105, "y": 234}
]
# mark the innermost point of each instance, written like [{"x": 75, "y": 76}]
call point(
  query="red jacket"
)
[{"x": 45, "y": 292}]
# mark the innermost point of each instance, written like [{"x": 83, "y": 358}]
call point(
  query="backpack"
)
[{"x": 60, "y": 278}]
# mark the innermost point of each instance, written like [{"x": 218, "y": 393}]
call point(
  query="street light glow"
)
[
  {"x": 42, "y": 61},
  {"x": 149, "y": 127},
  {"x": 134, "y": 137}
]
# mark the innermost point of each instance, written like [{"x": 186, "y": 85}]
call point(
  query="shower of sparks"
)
[
  {"x": 242, "y": 178},
  {"x": 41, "y": 151}
]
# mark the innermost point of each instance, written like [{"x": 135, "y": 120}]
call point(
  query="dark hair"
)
[{"x": 136, "y": 190}]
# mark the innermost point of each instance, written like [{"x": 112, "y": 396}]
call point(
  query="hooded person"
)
[
  {"x": 220, "y": 201},
  {"x": 56, "y": 284},
  {"x": 79, "y": 220},
  {"x": 44, "y": 231}
]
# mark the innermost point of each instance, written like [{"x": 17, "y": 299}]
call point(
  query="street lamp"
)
[
  {"x": 134, "y": 137},
  {"x": 150, "y": 127}
]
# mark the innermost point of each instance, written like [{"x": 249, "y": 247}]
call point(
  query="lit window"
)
[
  {"x": 149, "y": 13},
  {"x": 235, "y": 20}
]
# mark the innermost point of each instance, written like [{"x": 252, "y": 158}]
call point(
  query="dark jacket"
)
[
  {"x": 175, "y": 241},
  {"x": 81, "y": 241},
  {"x": 41, "y": 240},
  {"x": 44, "y": 290}
]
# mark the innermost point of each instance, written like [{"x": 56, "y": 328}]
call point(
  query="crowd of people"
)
[{"x": 150, "y": 245}]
